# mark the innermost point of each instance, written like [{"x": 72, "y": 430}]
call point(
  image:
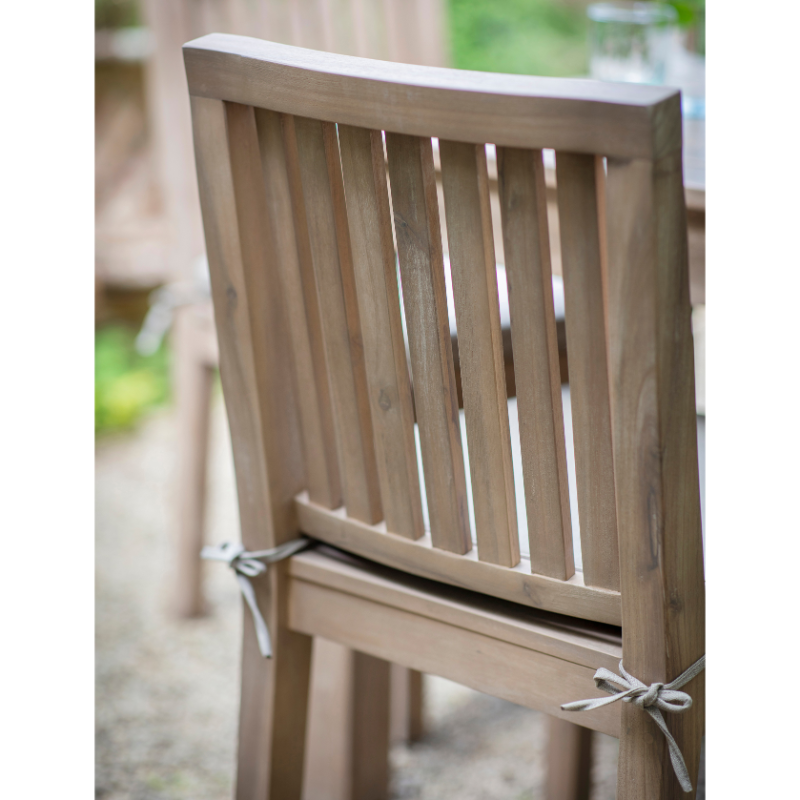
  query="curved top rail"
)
[{"x": 583, "y": 116}]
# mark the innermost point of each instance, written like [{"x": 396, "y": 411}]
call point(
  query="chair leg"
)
[
  {"x": 643, "y": 754},
  {"x": 274, "y": 703},
  {"x": 193, "y": 381},
  {"x": 407, "y": 724},
  {"x": 569, "y": 761},
  {"x": 348, "y": 732}
]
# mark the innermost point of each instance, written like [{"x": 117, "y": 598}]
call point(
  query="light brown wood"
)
[
  {"x": 512, "y": 660},
  {"x": 340, "y": 322},
  {"x": 469, "y": 234},
  {"x": 370, "y": 727},
  {"x": 427, "y": 612},
  {"x": 257, "y": 380},
  {"x": 584, "y": 300},
  {"x": 348, "y": 736},
  {"x": 655, "y": 459},
  {"x": 536, "y": 363},
  {"x": 419, "y": 245},
  {"x": 421, "y": 557},
  {"x": 407, "y": 705},
  {"x": 312, "y": 309},
  {"x": 569, "y": 760},
  {"x": 193, "y": 381},
  {"x": 318, "y": 443},
  {"x": 382, "y": 328},
  {"x": 625, "y": 120}
]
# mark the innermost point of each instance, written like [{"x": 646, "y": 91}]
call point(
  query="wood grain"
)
[
  {"x": 456, "y": 638},
  {"x": 655, "y": 460},
  {"x": 313, "y": 315},
  {"x": 330, "y": 250},
  {"x": 584, "y": 300},
  {"x": 319, "y": 444},
  {"x": 537, "y": 371},
  {"x": 419, "y": 245},
  {"x": 388, "y": 381},
  {"x": 258, "y": 385},
  {"x": 421, "y": 557},
  {"x": 469, "y": 234},
  {"x": 626, "y": 120},
  {"x": 569, "y": 760}
]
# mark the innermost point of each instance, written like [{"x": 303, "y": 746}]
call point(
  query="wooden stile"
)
[
  {"x": 319, "y": 444},
  {"x": 416, "y": 217},
  {"x": 655, "y": 458},
  {"x": 469, "y": 234},
  {"x": 534, "y": 338},
  {"x": 370, "y": 223},
  {"x": 255, "y": 367},
  {"x": 330, "y": 249},
  {"x": 584, "y": 299}
]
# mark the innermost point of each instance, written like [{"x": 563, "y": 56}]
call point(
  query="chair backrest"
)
[{"x": 317, "y": 177}]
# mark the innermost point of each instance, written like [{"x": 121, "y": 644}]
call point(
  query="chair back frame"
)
[{"x": 298, "y": 224}]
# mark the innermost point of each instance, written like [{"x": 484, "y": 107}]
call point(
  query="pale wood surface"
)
[
  {"x": 642, "y": 388},
  {"x": 416, "y": 216},
  {"x": 537, "y": 371},
  {"x": 469, "y": 234},
  {"x": 420, "y": 557},
  {"x": 193, "y": 380},
  {"x": 569, "y": 761},
  {"x": 340, "y": 324},
  {"x": 258, "y": 387},
  {"x": 452, "y": 634},
  {"x": 348, "y": 734},
  {"x": 370, "y": 224},
  {"x": 313, "y": 315},
  {"x": 655, "y": 459},
  {"x": 625, "y": 120},
  {"x": 319, "y": 443},
  {"x": 588, "y": 367}
]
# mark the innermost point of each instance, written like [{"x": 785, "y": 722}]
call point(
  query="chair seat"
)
[{"x": 529, "y": 657}]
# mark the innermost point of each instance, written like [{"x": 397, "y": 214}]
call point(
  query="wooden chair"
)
[{"x": 302, "y": 227}]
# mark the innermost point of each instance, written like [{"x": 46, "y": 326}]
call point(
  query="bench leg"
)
[
  {"x": 193, "y": 381},
  {"x": 569, "y": 761}
]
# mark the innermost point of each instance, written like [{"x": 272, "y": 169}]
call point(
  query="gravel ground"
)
[{"x": 167, "y": 690}]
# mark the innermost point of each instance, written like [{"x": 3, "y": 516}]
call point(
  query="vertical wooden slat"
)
[
  {"x": 416, "y": 217},
  {"x": 312, "y": 309},
  {"x": 330, "y": 249},
  {"x": 257, "y": 380},
  {"x": 584, "y": 300},
  {"x": 319, "y": 444},
  {"x": 534, "y": 339},
  {"x": 655, "y": 460},
  {"x": 382, "y": 328},
  {"x": 480, "y": 344}
]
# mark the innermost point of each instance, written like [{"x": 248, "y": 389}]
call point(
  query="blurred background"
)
[{"x": 167, "y": 633}]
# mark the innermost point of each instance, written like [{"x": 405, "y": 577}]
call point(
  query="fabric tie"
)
[
  {"x": 251, "y": 564},
  {"x": 653, "y": 699}
]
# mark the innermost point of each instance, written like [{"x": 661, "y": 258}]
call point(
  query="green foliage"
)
[
  {"x": 126, "y": 384},
  {"x": 689, "y": 11},
  {"x": 534, "y": 37},
  {"x": 117, "y": 14}
]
